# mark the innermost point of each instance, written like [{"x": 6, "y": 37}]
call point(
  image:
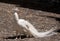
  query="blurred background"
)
[{"x": 44, "y": 5}]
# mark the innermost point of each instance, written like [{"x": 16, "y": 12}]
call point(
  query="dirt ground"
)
[{"x": 43, "y": 21}]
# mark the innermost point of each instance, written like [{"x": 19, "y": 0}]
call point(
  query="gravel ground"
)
[{"x": 43, "y": 21}]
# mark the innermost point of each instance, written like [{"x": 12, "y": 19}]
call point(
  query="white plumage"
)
[{"x": 28, "y": 26}]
